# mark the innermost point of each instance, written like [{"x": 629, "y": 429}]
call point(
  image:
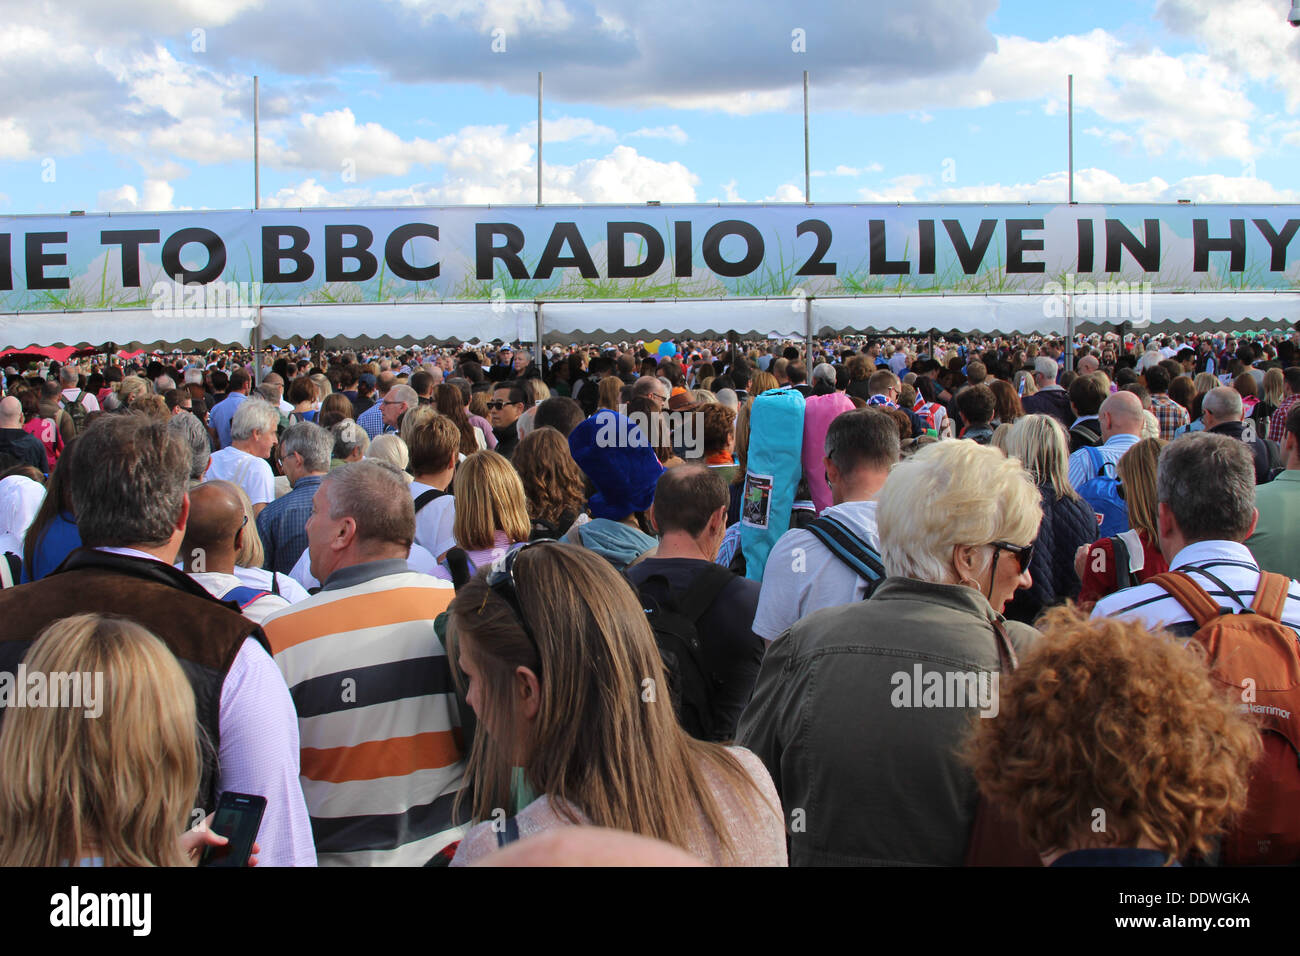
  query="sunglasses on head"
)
[{"x": 501, "y": 582}]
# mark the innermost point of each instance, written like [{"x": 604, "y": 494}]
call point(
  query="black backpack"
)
[
  {"x": 76, "y": 410},
  {"x": 673, "y": 618}
]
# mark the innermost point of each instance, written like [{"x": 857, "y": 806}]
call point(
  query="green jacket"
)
[
  {"x": 1276, "y": 541},
  {"x": 861, "y": 742}
]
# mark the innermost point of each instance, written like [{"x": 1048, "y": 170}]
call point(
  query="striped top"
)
[
  {"x": 382, "y": 751},
  {"x": 1230, "y": 562}
]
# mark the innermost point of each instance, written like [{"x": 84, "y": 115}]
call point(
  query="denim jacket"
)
[{"x": 858, "y": 714}]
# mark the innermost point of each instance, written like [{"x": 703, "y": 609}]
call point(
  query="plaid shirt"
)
[
  {"x": 282, "y": 525},
  {"x": 1169, "y": 414},
  {"x": 1277, "y": 424}
]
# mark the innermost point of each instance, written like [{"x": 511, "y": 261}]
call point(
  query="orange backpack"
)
[{"x": 1255, "y": 657}]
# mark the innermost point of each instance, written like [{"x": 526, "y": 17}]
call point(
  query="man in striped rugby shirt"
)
[
  {"x": 1205, "y": 489},
  {"x": 379, "y": 722}
]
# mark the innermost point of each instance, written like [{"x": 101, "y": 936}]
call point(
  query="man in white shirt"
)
[
  {"x": 434, "y": 452},
  {"x": 1205, "y": 493},
  {"x": 253, "y": 435},
  {"x": 68, "y": 379},
  {"x": 802, "y": 574},
  {"x": 213, "y": 536}
]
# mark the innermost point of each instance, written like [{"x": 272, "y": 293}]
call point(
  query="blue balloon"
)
[{"x": 667, "y": 348}]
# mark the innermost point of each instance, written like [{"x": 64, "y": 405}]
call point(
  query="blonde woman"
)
[
  {"x": 1270, "y": 401},
  {"x": 414, "y": 419},
  {"x": 608, "y": 392},
  {"x": 111, "y": 783},
  {"x": 131, "y": 390},
  {"x": 957, "y": 525},
  {"x": 1040, "y": 443},
  {"x": 491, "y": 509},
  {"x": 558, "y": 657},
  {"x": 251, "y": 557},
  {"x": 1024, "y": 384},
  {"x": 391, "y": 450}
]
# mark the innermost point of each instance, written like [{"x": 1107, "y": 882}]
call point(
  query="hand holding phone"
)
[{"x": 236, "y": 822}]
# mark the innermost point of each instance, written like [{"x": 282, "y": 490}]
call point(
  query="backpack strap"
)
[
  {"x": 1271, "y": 594},
  {"x": 431, "y": 495},
  {"x": 243, "y": 595},
  {"x": 849, "y": 548},
  {"x": 1194, "y": 599},
  {"x": 1123, "y": 563}
]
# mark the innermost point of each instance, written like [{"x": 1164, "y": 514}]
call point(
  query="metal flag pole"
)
[
  {"x": 257, "y": 170},
  {"x": 807, "y": 176},
  {"x": 539, "y": 137},
  {"x": 1070, "y": 122}
]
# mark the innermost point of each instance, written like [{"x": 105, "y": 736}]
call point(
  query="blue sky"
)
[{"x": 148, "y": 105}]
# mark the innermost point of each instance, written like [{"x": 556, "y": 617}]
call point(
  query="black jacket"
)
[
  {"x": 1051, "y": 401},
  {"x": 1066, "y": 525},
  {"x": 1264, "y": 451},
  {"x": 25, "y": 447}
]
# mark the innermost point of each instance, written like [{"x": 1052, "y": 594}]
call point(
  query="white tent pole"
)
[
  {"x": 539, "y": 137},
  {"x": 257, "y": 129},
  {"x": 538, "y": 324},
  {"x": 257, "y": 349}
]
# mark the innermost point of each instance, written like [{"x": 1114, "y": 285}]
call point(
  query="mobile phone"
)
[{"x": 238, "y": 817}]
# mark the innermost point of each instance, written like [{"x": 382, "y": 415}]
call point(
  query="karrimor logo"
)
[
  {"x": 172, "y": 299},
  {"x": 931, "y": 688},
  {"x": 1109, "y": 300},
  {"x": 682, "y": 431}
]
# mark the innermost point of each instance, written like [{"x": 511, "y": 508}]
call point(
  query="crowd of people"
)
[{"x": 876, "y": 602}]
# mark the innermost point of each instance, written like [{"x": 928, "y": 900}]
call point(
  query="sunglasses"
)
[
  {"x": 501, "y": 581},
  {"x": 1024, "y": 553}
]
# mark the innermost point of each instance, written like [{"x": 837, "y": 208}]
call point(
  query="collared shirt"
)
[
  {"x": 372, "y": 419},
  {"x": 1169, "y": 415},
  {"x": 282, "y": 525},
  {"x": 223, "y": 414},
  {"x": 1277, "y": 424},
  {"x": 1081, "y": 462},
  {"x": 1276, "y": 541},
  {"x": 1231, "y": 562},
  {"x": 219, "y": 584},
  {"x": 259, "y": 749},
  {"x": 802, "y": 575}
]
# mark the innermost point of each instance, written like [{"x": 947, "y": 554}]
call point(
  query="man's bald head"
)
[
  {"x": 1120, "y": 414},
  {"x": 1088, "y": 364},
  {"x": 11, "y": 412},
  {"x": 273, "y": 378},
  {"x": 216, "y": 520}
]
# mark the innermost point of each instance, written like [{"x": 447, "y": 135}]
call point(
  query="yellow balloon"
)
[{"x": 653, "y": 347}]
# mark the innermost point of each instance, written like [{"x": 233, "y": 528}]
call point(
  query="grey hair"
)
[
  {"x": 311, "y": 441},
  {"x": 195, "y": 437},
  {"x": 1046, "y": 367},
  {"x": 68, "y": 375},
  {"x": 1221, "y": 509},
  {"x": 825, "y": 371},
  {"x": 1223, "y": 403},
  {"x": 348, "y": 437},
  {"x": 404, "y": 393},
  {"x": 269, "y": 392},
  {"x": 374, "y": 495},
  {"x": 253, "y": 414},
  {"x": 729, "y": 398}
]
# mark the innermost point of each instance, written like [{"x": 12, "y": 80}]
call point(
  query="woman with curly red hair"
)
[{"x": 1112, "y": 747}]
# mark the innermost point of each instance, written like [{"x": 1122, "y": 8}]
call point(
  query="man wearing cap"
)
[{"x": 502, "y": 369}]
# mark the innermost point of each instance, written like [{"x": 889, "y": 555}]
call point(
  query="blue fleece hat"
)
[{"x": 615, "y": 455}]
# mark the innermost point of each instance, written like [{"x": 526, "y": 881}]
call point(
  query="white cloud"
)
[
  {"x": 673, "y": 133},
  {"x": 1100, "y": 186},
  {"x": 899, "y": 189},
  {"x": 786, "y": 192},
  {"x": 155, "y": 196},
  {"x": 852, "y": 171},
  {"x": 475, "y": 174}
]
